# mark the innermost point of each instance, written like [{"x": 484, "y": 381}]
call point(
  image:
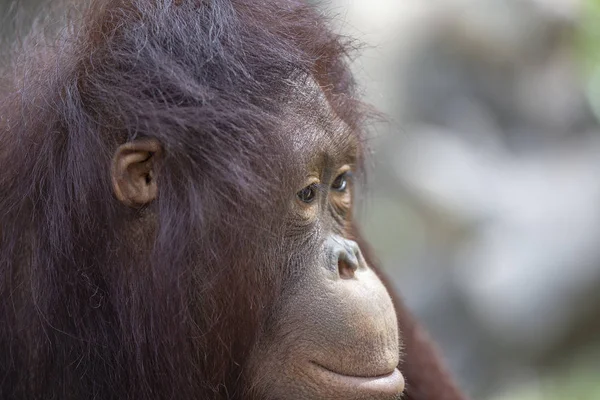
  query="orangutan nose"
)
[{"x": 346, "y": 257}]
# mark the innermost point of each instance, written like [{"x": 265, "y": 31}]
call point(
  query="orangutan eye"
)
[
  {"x": 308, "y": 194},
  {"x": 341, "y": 182}
]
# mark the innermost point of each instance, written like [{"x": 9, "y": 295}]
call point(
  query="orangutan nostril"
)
[{"x": 345, "y": 270}]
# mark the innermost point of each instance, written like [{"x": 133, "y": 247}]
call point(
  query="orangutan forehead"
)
[{"x": 316, "y": 132}]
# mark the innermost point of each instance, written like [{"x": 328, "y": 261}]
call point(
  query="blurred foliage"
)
[
  {"x": 575, "y": 379},
  {"x": 589, "y": 33},
  {"x": 589, "y": 47}
]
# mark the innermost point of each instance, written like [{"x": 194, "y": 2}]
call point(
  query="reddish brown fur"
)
[{"x": 101, "y": 301}]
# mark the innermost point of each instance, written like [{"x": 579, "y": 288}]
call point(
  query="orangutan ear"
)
[{"x": 133, "y": 174}]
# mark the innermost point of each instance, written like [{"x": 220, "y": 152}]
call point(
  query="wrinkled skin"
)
[{"x": 335, "y": 333}]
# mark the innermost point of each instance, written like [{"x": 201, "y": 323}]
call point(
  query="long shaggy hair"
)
[{"x": 98, "y": 300}]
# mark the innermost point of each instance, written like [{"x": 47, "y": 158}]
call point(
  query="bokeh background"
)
[
  {"x": 484, "y": 197},
  {"x": 484, "y": 193}
]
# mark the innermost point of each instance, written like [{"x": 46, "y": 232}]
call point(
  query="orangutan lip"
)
[
  {"x": 374, "y": 376},
  {"x": 390, "y": 384}
]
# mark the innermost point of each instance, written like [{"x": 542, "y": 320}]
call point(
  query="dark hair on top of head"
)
[{"x": 206, "y": 78}]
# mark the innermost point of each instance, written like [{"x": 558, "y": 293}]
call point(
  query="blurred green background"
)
[{"x": 483, "y": 200}]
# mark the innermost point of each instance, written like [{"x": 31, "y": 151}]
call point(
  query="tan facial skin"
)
[
  {"x": 334, "y": 333},
  {"x": 335, "y": 337}
]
